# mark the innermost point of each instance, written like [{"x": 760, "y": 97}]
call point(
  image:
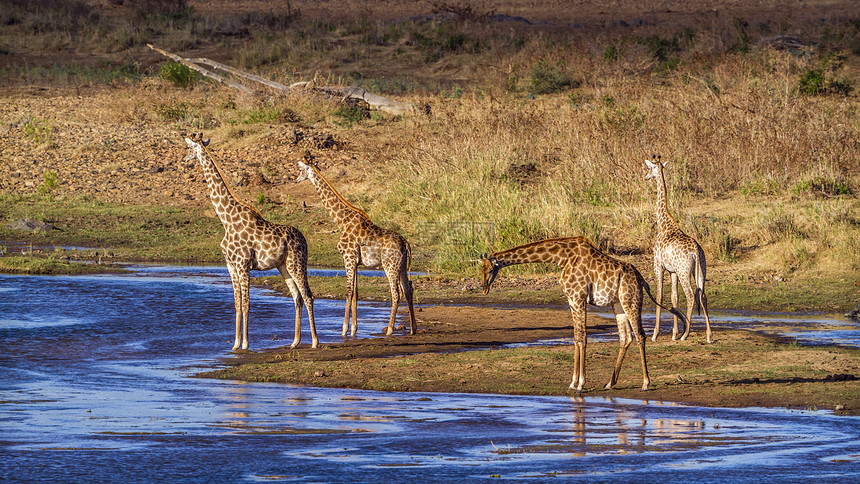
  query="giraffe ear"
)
[{"x": 206, "y": 143}]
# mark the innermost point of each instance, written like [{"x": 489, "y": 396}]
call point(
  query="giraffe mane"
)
[
  {"x": 226, "y": 183},
  {"x": 544, "y": 241},
  {"x": 338, "y": 195}
]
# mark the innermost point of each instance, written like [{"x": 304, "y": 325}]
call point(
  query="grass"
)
[
  {"x": 533, "y": 132},
  {"x": 53, "y": 264}
]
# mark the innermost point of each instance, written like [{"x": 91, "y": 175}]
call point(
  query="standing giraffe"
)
[
  {"x": 588, "y": 276},
  {"x": 680, "y": 254},
  {"x": 363, "y": 243},
  {"x": 252, "y": 243}
]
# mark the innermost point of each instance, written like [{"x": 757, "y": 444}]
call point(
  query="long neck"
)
[
  {"x": 549, "y": 250},
  {"x": 664, "y": 218},
  {"x": 226, "y": 203},
  {"x": 341, "y": 211}
]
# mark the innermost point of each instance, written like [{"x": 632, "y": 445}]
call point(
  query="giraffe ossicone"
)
[
  {"x": 680, "y": 255},
  {"x": 363, "y": 243},
  {"x": 252, "y": 243},
  {"x": 588, "y": 276}
]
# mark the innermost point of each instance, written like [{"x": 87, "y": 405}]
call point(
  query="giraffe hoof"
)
[
  {"x": 646, "y": 387},
  {"x": 654, "y": 339},
  {"x": 608, "y": 386}
]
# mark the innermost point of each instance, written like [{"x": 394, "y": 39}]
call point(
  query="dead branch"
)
[{"x": 353, "y": 92}]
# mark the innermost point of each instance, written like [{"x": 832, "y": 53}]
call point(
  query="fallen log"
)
[{"x": 375, "y": 101}]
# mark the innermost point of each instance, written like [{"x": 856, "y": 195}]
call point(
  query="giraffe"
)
[
  {"x": 588, "y": 276},
  {"x": 681, "y": 255},
  {"x": 363, "y": 243},
  {"x": 252, "y": 243}
]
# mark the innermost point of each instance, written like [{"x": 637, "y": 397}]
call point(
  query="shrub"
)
[
  {"x": 548, "y": 79},
  {"x": 39, "y": 131},
  {"x": 351, "y": 114},
  {"x": 179, "y": 74}
]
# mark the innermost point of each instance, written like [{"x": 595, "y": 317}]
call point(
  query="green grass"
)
[{"x": 53, "y": 264}]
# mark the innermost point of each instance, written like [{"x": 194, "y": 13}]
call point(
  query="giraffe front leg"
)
[
  {"x": 237, "y": 303},
  {"x": 577, "y": 311},
  {"x": 658, "y": 269},
  {"x": 246, "y": 308},
  {"x": 350, "y": 294}
]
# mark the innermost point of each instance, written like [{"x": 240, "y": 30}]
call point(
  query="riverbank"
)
[{"x": 740, "y": 369}]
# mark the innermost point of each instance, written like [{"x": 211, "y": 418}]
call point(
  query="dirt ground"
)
[{"x": 740, "y": 369}]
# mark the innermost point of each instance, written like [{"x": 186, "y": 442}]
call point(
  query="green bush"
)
[
  {"x": 550, "y": 78},
  {"x": 179, "y": 74},
  {"x": 351, "y": 114},
  {"x": 39, "y": 131}
]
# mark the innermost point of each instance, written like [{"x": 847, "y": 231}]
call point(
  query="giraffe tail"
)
[
  {"x": 700, "y": 280},
  {"x": 673, "y": 309}
]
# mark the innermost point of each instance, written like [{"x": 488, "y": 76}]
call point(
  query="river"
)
[{"x": 96, "y": 387}]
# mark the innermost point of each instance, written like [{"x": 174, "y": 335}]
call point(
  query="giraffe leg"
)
[
  {"x": 691, "y": 303},
  {"x": 237, "y": 302},
  {"x": 406, "y": 288},
  {"x": 297, "y": 302},
  {"x": 674, "y": 283},
  {"x": 634, "y": 316},
  {"x": 297, "y": 281},
  {"x": 350, "y": 294},
  {"x": 703, "y": 299},
  {"x": 245, "y": 287},
  {"x": 624, "y": 340},
  {"x": 577, "y": 311},
  {"x": 354, "y": 305},
  {"x": 395, "y": 302},
  {"x": 658, "y": 269}
]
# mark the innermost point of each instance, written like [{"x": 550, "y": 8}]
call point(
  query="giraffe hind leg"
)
[
  {"x": 659, "y": 274},
  {"x": 691, "y": 303},
  {"x": 674, "y": 284},
  {"x": 297, "y": 302},
  {"x": 624, "y": 339}
]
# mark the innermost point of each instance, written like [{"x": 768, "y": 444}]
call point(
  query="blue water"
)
[{"x": 96, "y": 386}]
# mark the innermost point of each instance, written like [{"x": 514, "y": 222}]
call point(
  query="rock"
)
[
  {"x": 854, "y": 313},
  {"x": 30, "y": 225}
]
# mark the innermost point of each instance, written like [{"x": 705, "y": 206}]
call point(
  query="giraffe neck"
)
[
  {"x": 341, "y": 211},
  {"x": 665, "y": 221},
  {"x": 225, "y": 201},
  {"x": 544, "y": 251}
]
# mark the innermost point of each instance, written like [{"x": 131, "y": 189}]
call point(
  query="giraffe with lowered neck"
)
[
  {"x": 680, "y": 255},
  {"x": 363, "y": 243},
  {"x": 252, "y": 243},
  {"x": 588, "y": 276}
]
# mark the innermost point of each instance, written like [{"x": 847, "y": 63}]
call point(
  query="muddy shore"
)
[{"x": 479, "y": 350}]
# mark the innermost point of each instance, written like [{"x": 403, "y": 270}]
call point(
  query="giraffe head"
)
[
  {"x": 195, "y": 144},
  {"x": 655, "y": 168},
  {"x": 489, "y": 269},
  {"x": 308, "y": 172}
]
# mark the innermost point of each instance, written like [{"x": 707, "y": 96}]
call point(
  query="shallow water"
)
[{"x": 95, "y": 387}]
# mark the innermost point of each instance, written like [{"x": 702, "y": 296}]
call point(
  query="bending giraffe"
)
[
  {"x": 681, "y": 255},
  {"x": 588, "y": 276},
  {"x": 363, "y": 243},
  {"x": 252, "y": 243}
]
